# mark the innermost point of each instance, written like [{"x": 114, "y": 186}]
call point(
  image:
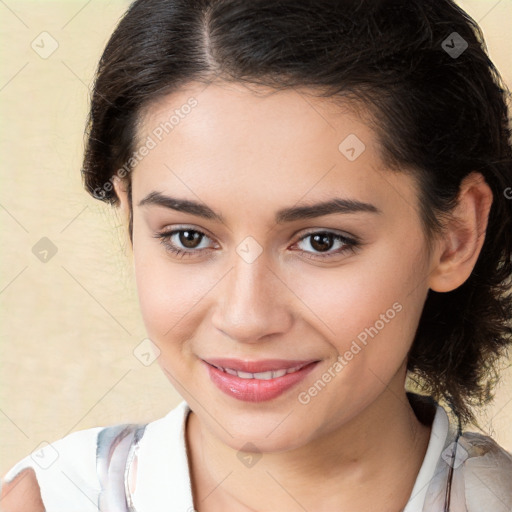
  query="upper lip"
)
[{"x": 263, "y": 365}]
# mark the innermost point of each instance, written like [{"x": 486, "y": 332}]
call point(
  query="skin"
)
[
  {"x": 22, "y": 494},
  {"x": 246, "y": 156}
]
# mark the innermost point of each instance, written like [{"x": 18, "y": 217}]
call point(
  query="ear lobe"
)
[{"x": 463, "y": 236}]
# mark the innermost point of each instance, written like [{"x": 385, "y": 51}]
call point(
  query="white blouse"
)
[{"x": 67, "y": 470}]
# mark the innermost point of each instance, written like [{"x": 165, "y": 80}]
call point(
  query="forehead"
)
[
  {"x": 225, "y": 108},
  {"x": 270, "y": 146}
]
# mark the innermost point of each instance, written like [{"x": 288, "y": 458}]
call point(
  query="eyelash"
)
[{"x": 350, "y": 244}]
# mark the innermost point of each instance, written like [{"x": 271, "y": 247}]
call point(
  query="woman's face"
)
[{"x": 261, "y": 275}]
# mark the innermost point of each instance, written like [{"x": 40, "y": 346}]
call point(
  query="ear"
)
[
  {"x": 459, "y": 246},
  {"x": 122, "y": 192}
]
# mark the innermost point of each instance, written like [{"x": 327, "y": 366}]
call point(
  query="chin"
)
[{"x": 276, "y": 432}]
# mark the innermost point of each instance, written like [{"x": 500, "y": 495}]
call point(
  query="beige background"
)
[{"x": 70, "y": 325}]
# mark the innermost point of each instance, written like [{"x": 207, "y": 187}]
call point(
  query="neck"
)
[{"x": 353, "y": 467}]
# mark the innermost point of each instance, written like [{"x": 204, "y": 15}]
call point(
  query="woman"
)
[{"x": 316, "y": 196}]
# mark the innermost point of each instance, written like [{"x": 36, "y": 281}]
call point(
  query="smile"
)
[
  {"x": 271, "y": 374},
  {"x": 256, "y": 381}
]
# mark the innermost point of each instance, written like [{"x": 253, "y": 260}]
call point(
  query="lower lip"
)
[{"x": 255, "y": 390}]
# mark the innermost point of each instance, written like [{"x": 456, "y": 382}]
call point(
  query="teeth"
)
[
  {"x": 263, "y": 375},
  {"x": 271, "y": 374}
]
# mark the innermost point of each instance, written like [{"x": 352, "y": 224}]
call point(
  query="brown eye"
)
[
  {"x": 189, "y": 239},
  {"x": 184, "y": 242},
  {"x": 322, "y": 241}
]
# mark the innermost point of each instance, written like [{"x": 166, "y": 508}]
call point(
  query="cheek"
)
[
  {"x": 368, "y": 310},
  {"x": 171, "y": 294},
  {"x": 372, "y": 312}
]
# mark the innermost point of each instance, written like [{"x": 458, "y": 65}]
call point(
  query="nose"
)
[{"x": 254, "y": 303}]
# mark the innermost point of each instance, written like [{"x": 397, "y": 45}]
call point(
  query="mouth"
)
[
  {"x": 257, "y": 381},
  {"x": 262, "y": 370}
]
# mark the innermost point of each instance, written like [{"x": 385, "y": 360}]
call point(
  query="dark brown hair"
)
[{"x": 437, "y": 101}]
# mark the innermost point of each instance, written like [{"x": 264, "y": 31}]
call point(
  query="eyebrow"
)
[{"x": 332, "y": 206}]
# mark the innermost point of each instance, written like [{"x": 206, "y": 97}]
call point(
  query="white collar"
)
[
  {"x": 163, "y": 477},
  {"x": 435, "y": 447},
  {"x": 163, "y": 474}
]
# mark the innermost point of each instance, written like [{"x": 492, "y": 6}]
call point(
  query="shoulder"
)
[
  {"x": 481, "y": 453},
  {"x": 54, "y": 476},
  {"x": 487, "y": 471},
  {"x": 87, "y": 467},
  {"x": 473, "y": 472},
  {"x": 482, "y": 446}
]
